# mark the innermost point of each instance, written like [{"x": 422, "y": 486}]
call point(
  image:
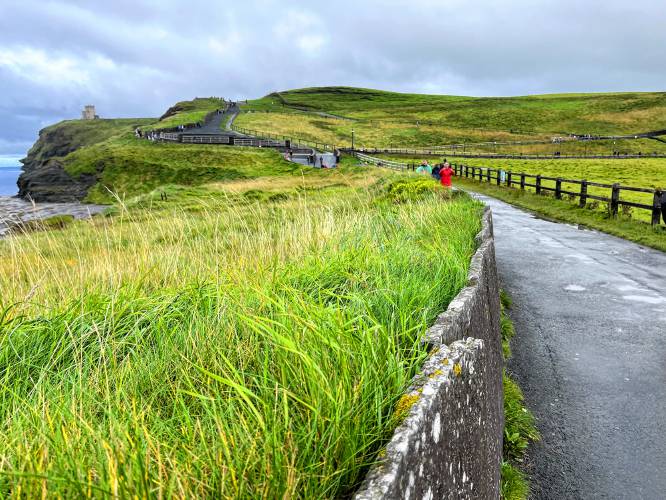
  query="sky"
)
[{"x": 136, "y": 58}]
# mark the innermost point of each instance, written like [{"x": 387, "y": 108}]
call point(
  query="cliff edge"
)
[{"x": 45, "y": 176}]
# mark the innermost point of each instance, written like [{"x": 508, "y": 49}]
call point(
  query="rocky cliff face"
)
[{"x": 44, "y": 177}]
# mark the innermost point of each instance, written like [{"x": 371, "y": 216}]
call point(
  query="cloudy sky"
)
[{"x": 135, "y": 58}]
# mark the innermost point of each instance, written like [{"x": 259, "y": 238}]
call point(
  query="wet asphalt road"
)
[
  {"x": 590, "y": 355},
  {"x": 214, "y": 126}
]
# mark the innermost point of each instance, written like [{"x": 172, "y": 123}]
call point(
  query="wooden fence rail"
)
[{"x": 514, "y": 179}]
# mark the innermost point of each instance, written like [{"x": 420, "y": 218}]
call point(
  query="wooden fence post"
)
[
  {"x": 558, "y": 188},
  {"x": 522, "y": 182},
  {"x": 508, "y": 178},
  {"x": 498, "y": 172},
  {"x": 615, "y": 199},
  {"x": 583, "y": 194},
  {"x": 538, "y": 184},
  {"x": 656, "y": 207},
  {"x": 488, "y": 175},
  {"x": 473, "y": 173}
]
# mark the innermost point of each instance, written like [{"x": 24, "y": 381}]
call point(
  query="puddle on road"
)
[{"x": 645, "y": 299}]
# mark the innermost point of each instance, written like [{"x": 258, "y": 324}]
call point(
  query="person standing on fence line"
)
[{"x": 445, "y": 174}]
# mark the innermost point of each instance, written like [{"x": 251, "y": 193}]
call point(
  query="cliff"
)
[{"x": 45, "y": 176}]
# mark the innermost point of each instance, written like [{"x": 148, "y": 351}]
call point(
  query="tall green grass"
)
[{"x": 256, "y": 350}]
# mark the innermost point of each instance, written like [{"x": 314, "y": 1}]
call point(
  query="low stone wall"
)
[{"x": 450, "y": 443}]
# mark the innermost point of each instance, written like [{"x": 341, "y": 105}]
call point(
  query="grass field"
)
[
  {"x": 246, "y": 338},
  {"x": 381, "y": 118}
]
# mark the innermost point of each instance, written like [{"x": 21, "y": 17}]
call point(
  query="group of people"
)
[
  {"x": 316, "y": 160},
  {"x": 150, "y": 135},
  {"x": 441, "y": 172}
]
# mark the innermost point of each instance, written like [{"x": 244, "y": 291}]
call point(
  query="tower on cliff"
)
[{"x": 88, "y": 113}]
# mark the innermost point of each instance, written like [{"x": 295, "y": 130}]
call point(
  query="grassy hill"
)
[
  {"x": 381, "y": 118},
  {"x": 99, "y": 160}
]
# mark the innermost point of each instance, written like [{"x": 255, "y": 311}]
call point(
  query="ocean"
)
[{"x": 10, "y": 169}]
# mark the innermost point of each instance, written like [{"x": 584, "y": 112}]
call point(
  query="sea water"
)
[{"x": 10, "y": 169}]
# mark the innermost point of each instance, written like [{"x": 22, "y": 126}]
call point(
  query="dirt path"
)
[{"x": 590, "y": 355}]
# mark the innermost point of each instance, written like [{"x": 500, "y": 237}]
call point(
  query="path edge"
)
[{"x": 449, "y": 445}]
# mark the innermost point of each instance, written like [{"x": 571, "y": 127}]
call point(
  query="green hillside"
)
[{"x": 382, "y": 118}]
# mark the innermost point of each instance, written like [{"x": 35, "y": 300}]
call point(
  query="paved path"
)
[
  {"x": 590, "y": 355},
  {"x": 219, "y": 124},
  {"x": 329, "y": 159}
]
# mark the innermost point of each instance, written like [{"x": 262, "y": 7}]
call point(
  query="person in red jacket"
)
[{"x": 445, "y": 174}]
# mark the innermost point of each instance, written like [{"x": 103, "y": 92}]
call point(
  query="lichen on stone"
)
[{"x": 405, "y": 404}]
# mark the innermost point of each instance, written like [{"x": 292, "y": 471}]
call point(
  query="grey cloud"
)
[{"x": 135, "y": 58}]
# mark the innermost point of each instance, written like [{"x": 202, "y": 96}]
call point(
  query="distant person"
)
[
  {"x": 337, "y": 156},
  {"x": 321, "y": 162},
  {"x": 424, "y": 168},
  {"x": 445, "y": 174},
  {"x": 435, "y": 171}
]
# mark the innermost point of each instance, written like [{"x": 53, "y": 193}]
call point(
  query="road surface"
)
[{"x": 590, "y": 355}]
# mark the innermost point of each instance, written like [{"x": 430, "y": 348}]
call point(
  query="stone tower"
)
[{"x": 88, "y": 113}]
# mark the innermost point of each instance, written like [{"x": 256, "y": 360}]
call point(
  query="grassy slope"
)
[
  {"x": 70, "y": 135},
  {"x": 133, "y": 166},
  {"x": 249, "y": 338},
  {"x": 385, "y": 118},
  {"x": 128, "y": 166}
]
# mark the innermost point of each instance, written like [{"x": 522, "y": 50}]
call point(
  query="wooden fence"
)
[{"x": 512, "y": 179}]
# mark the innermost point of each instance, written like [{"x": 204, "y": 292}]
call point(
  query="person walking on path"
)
[
  {"x": 435, "y": 171},
  {"x": 424, "y": 169},
  {"x": 445, "y": 174}
]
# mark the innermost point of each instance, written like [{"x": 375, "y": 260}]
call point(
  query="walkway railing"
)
[
  {"x": 382, "y": 163},
  {"x": 287, "y": 141}
]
